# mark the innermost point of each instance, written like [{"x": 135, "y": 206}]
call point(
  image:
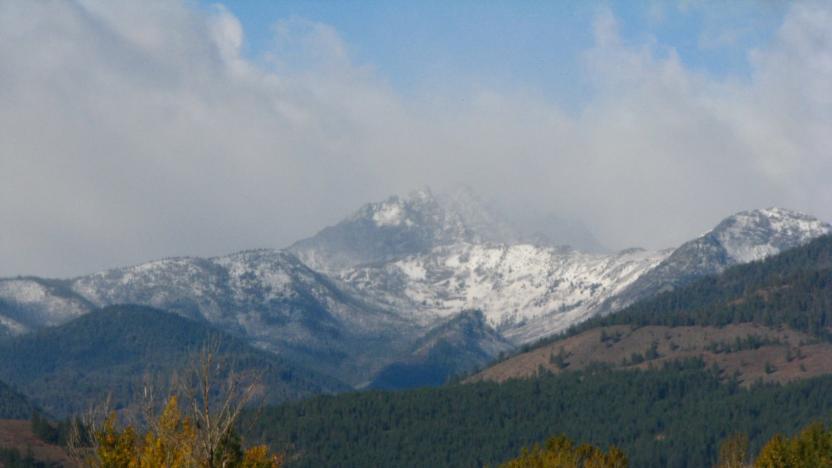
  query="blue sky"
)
[{"x": 518, "y": 44}]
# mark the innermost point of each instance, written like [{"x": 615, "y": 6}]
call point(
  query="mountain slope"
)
[
  {"x": 747, "y": 353},
  {"x": 791, "y": 289},
  {"x": 776, "y": 311},
  {"x": 270, "y": 298},
  {"x": 395, "y": 270},
  {"x": 524, "y": 291},
  {"x": 28, "y": 303},
  {"x": 69, "y": 368},
  {"x": 462, "y": 344},
  {"x": 530, "y": 291},
  {"x": 744, "y": 237}
]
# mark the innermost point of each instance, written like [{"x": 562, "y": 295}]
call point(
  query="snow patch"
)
[
  {"x": 389, "y": 214},
  {"x": 511, "y": 285}
]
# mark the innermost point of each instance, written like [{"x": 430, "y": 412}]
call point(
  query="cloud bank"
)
[{"x": 136, "y": 130}]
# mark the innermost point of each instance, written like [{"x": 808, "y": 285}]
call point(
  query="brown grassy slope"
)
[
  {"x": 18, "y": 434},
  {"x": 796, "y": 356}
]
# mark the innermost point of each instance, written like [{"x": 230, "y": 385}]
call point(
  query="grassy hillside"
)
[
  {"x": 19, "y": 447},
  {"x": 111, "y": 351},
  {"x": 747, "y": 352},
  {"x": 673, "y": 417}
]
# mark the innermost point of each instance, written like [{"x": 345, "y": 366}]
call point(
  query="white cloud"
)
[{"x": 137, "y": 130}]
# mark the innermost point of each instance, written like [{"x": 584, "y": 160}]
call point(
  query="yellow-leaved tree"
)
[
  {"x": 812, "y": 447},
  {"x": 561, "y": 452},
  {"x": 199, "y": 434}
]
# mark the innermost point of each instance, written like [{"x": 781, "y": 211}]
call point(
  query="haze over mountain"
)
[
  {"x": 387, "y": 288},
  {"x": 211, "y": 129}
]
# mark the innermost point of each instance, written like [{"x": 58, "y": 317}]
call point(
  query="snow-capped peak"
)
[
  {"x": 381, "y": 231},
  {"x": 755, "y": 234},
  {"x": 741, "y": 238}
]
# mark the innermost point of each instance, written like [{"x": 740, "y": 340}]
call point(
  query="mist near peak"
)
[{"x": 142, "y": 131}]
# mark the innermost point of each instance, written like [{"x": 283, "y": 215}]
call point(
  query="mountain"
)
[
  {"x": 744, "y": 237},
  {"x": 524, "y": 291},
  {"x": 30, "y": 303},
  {"x": 462, "y": 344},
  {"x": 359, "y": 297},
  {"x": 767, "y": 320},
  {"x": 405, "y": 226},
  {"x": 69, "y": 368},
  {"x": 527, "y": 288},
  {"x": 268, "y": 297},
  {"x": 665, "y": 379},
  {"x": 383, "y": 231}
]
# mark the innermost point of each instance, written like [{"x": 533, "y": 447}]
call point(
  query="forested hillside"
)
[
  {"x": 113, "y": 351},
  {"x": 674, "y": 417}
]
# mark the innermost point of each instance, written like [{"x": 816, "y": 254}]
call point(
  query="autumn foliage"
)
[
  {"x": 195, "y": 426},
  {"x": 560, "y": 452},
  {"x": 172, "y": 441},
  {"x": 811, "y": 447}
]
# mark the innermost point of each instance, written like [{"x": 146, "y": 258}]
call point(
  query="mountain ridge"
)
[
  {"x": 773, "y": 312},
  {"x": 110, "y": 352},
  {"x": 372, "y": 306}
]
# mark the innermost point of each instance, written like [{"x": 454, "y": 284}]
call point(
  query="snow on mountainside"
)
[
  {"x": 511, "y": 285},
  {"x": 753, "y": 235},
  {"x": 744, "y": 237},
  {"x": 267, "y": 296},
  {"x": 366, "y": 295},
  {"x": 402, "y": 226},
  {"x": 30, "y": 303}
]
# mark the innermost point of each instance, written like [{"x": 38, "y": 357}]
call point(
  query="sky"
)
[{"x": 137, "y": 130}]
